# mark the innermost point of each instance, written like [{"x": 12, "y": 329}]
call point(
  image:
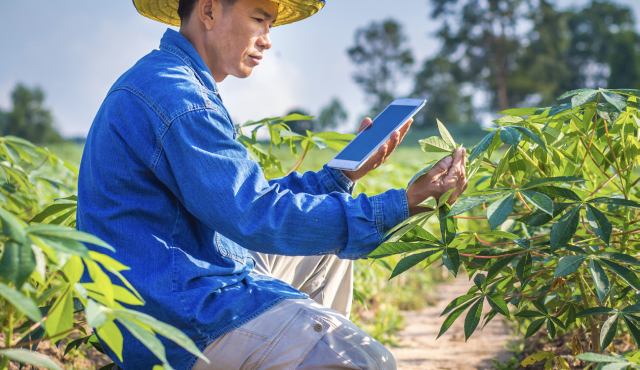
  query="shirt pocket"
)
[{"x": 229, "y": 249}]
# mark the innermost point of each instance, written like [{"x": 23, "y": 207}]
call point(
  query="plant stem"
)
[
  {"x": 595, "y": 332},
  {"x": 532, "y": 162},
  {"x": 608, "y": 180},
  {"x": 615, "y": 159},
  {"x": 297, "y": 165},
  {"x": 523, "y": 202}
]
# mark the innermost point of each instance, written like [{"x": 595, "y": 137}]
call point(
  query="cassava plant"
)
[
  {"x": 42, "y": 260},
  {"x": 547, "y": 228}
]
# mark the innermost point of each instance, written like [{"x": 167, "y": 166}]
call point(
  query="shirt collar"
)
[{"x": 173, "y": 42}]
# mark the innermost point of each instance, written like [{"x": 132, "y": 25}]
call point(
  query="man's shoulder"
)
[{"x": 167, "y": 85}]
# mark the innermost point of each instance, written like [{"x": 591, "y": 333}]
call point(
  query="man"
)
[{"x": 164, "y": 181}]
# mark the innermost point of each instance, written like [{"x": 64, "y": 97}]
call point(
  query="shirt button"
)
[{"x": 317, "y": 327}]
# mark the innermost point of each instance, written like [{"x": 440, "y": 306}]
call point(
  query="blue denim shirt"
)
[{"x": 164, "y": 181}]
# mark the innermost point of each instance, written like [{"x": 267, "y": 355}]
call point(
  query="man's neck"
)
[{"x": 196, "y": 38}]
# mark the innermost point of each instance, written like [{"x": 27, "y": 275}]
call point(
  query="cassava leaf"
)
[
  {"x": 600, "y": 279},
  {"x": 467, "y": 203},
  {"x": 565, "y": 228},
  {"x": 568, "y": 265},
  {"x": 472, "y": 319},
  {"x": 499, "y": 210},
  {"x": 444, "y": 133},
  {"x": 453, "y": 316},
  {"x": 451, "y": 259},
  {"x": 482, "y": 146},
  {"x": 410, "y": 261},
  {"x": 599, "y": 223}
]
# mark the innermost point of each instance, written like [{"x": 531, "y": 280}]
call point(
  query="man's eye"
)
[{"x": 260, "y": 20}]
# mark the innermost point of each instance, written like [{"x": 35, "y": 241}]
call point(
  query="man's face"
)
[{"x": 239, "y": 37}]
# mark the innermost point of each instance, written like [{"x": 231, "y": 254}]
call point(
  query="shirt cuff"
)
[
  {"x": 341, "y": 183},
  {"x": 390, "y": 208}
]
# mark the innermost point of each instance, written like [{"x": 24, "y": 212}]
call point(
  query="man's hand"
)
[
  {"x": 447, "y": 174},
  {"x": 382, "y": 154}
]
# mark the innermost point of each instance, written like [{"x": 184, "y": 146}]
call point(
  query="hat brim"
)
[{"x": 289, "y": 11}]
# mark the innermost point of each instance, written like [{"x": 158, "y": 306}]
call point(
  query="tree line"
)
[{"x": 509, "y": 52}]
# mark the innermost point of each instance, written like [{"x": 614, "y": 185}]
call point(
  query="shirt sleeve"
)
[
  {"x": 222, "y": 186},
  {"x": 325, "y": 181}
]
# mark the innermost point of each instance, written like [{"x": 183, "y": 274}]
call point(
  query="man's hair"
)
[{"x": 185, "y": 7}]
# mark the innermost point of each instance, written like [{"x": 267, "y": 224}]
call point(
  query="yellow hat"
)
[{"x": 289, "y": 11}]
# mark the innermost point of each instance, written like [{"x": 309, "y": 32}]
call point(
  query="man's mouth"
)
[{"x": 256, "y": 58}]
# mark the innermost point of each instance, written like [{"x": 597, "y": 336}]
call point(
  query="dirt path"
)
[{"x": 420, "y": 350}]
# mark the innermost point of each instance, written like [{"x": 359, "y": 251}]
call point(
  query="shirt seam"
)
[
  {"x": 186, "y": 60},
  {"x": 327, "y": 182}
]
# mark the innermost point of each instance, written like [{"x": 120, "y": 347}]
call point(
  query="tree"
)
[
  {"x": 29, "y": 119},
  {"x": 482, "y": 39},
  {"x": 330, "y": 117},
  {"x": 382, "y": 57}
]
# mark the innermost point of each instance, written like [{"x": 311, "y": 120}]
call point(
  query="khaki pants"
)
[{"x": 301, "y": 333}]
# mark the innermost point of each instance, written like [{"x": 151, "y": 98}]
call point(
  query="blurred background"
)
[{"x": 469, "y": 58}]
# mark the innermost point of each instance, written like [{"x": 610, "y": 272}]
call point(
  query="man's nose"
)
[{"x": 264, "y": 41}]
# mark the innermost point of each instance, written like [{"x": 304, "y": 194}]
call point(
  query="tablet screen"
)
[{"x": 382, "y": 126}]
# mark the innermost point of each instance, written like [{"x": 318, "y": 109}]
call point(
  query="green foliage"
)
[
  {"x": 43, "y": 258},
  {"x": 562, "y": 208}
]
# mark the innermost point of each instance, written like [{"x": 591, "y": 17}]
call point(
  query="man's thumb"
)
[{"x": 439, "y": 169}]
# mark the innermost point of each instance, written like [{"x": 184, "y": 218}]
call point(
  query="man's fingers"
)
[
  {"x": 403, "y": 130},
  {"x": 365, "y": 124},
  {"x": 439, "y": 169}
]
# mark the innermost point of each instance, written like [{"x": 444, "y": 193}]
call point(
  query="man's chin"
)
[{"x": 243, "y": 73}]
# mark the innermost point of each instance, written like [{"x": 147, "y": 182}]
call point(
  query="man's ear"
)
[{"x": 207, "y": 11}]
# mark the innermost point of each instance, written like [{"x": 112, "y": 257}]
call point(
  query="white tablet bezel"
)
[{"x": 343, "y": 164}]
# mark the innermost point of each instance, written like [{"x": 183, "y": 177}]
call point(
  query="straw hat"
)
[{"x": 289, "y": 11}]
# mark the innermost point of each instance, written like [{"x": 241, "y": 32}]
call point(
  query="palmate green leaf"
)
[
  {"x": 67, "y": 246},
  {"x": 523, "y": 268},
  {"x": 599, "y": 223},
  {"x": 161, "y": 328},
  {"x": 619, "y": 257},
  {"x": 551, "y": 329},
  {"x": 608, "y": 112},
  {"x": 625, "y": 274},
  {"x": 46, "y": 230},
  {"x": 435, "y": 144},
  {"x": 457, "y": 302},
  {"x": 17, "y": 263},
  {"x": 574, "y": 92},
  {"x": 392, "y": 248},
  {"x": 497, "y": 303},
  {"x": 540, "y": 201},
  {"x": 479, "y": 280},
  {"x": 555, "y": 192},
  {"x": 500, "y": 169},
  {"x": 510, "y": 136},
  {"x": 499, "y": 210},
  {"x": 12, "y": 227},
  {"x": 148, "y": 339},
  {"x": 528, "y": 133},
  {"x": 395, "y": 233},
  {"x": 608, "y": 331},
  {"x": 633, "y": 329},
  {"x": 552, "y": 181},
  {"x": 482, "y": 146},
  {"x": 465, "y": 204},
  {"x": 444, "y": 133},
  {"x": 497, "y": 266},
  {"x": 517, "y": 165},
  {"x": 94, "y": 314},
  {"x": 600, "y": 279},
  {"x": 60, "y": 319},
  {"x": 559, "y": 109},
  {"x": 25, "y": 356},
  {"x": 454, "y": 315},
  {"x": 582, "y": 98},
  {"x": 447, "y": 224},
  {"x": 489, "y": 316},
  {"x": 472, "y": 319},
  {"x": 631, "y": 309},
  {"x": 539, "y": 218},
  {"x": 410, "y": 261},
  {"x": 563, "y": 231},
  {"x": 423, "y": 234},
  {"x": 616, "y": 100},
  {"x": 568, "y": 265},
  {"x": 451, "y": 259},
  {"x": 21, "y": 302},
  {"x": 594, "y": 311},
  {"x": 112, "y": 337},
  {"x": 534, "y": 327},
  {"x": 615, "y": 201}
]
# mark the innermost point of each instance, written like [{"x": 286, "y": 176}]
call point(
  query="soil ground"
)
[{"x": 420, "y": 350}]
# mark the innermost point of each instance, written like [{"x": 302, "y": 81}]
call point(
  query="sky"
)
[{"x": 75, "y": 50}]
